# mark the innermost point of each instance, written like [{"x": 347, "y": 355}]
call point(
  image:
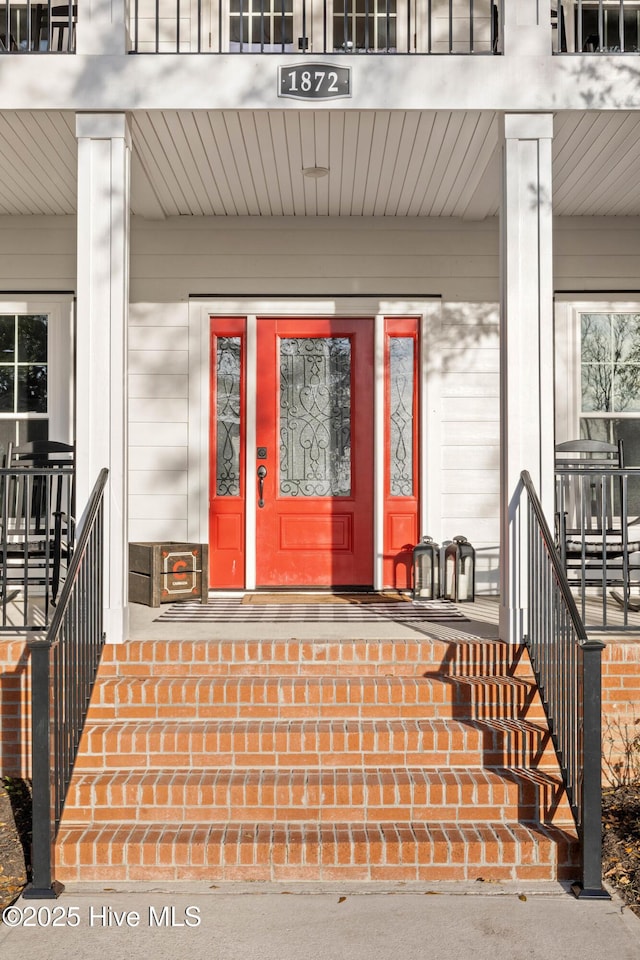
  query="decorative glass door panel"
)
[
  {"x": 314, "y": 469},
  {"x": 401, "y": 450}
]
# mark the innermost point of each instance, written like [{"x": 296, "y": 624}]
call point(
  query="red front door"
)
[{"x": 314, "y": 449}]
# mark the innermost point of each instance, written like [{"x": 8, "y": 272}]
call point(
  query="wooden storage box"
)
[{"x": 168, "y": 572}]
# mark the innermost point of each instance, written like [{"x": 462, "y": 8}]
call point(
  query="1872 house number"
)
[{"x": 314, "y": 81}]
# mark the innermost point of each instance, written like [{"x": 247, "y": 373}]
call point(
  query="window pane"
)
[
  {"x": 626, "y": 388},
  {"x": 611, "y": 430},
  {"x": 228, "y": 409},
  {"x": 315, "y": 417},
  {"x": 29, "y": 430},
  {"x": 401, "y": 411},
  {"x": 7, "y": 338},
  {"x": 32, "y": 389},
  {"x": 7, "y": 436},
  {"x": 32, "y": 339},
  {"x": 597, "y": 387},
  {"x": 6, "y": 389}
]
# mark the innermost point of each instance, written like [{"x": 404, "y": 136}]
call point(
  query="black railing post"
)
[
  {"x": 42, "y": 886},
  {"x": 591, "y": 834}
]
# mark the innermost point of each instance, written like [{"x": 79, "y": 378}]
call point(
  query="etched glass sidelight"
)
[
  {"x": 228, "y": 362},
  {"x": 401, "y": 375},
  {"x": 315, "y": 417}
]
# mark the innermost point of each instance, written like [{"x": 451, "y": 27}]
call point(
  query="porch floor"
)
[{"x": 481, "y": 622}]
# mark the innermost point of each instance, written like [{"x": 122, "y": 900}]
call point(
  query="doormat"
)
[
  {"x": 233, "y": 610},
  {"x": 308, "y": 599}
]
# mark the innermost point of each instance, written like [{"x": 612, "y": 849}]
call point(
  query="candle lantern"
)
[
  {"x": 426, "y": 570},
  {"x": 460, "y": 571}
]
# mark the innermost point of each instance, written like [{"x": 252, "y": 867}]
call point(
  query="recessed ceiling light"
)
[{"x": 315, "y": 173}]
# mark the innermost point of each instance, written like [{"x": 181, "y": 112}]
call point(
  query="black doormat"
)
[{"x": 233, "y": 610}]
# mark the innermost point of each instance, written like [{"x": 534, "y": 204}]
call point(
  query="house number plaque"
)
[{"x": 314, "y": 81}]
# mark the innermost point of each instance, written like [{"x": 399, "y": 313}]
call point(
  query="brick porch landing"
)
[{"x": 421, "y": 756}]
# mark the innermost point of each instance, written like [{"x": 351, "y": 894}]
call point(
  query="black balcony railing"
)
[
  {"x": 37, "y": 27},
  {"x": 598, "y": 542},
  {"x": 596, "y": 26},
  {"x": 567, "y": 667},
  {"x": 64, "y": 664},
  {"x": 36, "y": 543},
  {"x": 316, "y": 26}
]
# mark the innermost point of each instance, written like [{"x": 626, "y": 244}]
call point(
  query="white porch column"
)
[
  {"x": 527, "y": 28},
  {"x": 103, "y": 28},
  {"x": 526, "y": 347},
  {"x": 104, "y": 149}
]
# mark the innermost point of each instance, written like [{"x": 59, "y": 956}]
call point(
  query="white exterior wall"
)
[{"x": 247, "y": 256}]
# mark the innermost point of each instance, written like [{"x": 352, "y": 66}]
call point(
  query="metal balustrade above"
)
[
  {"x": 37, "y": 27},
  {"x": 596, "y": 26},
  {"x": 310, "y": 27}
]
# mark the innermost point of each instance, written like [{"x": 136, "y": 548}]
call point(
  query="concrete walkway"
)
[{"x": 320, "y": 922}]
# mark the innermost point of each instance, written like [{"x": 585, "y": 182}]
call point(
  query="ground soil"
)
[
  {"x": 621, "y": 842},
  {"x": 621, "y": 847},
  {"x": 15, "y": 838}
]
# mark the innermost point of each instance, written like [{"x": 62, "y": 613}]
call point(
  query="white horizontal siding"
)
[{"x": 158, "y": 421}]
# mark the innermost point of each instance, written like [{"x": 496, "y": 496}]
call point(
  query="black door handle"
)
[{"x": 262, "y": 472}]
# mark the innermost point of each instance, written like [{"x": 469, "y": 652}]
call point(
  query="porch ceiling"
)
[{"x": 381, "y": 163}]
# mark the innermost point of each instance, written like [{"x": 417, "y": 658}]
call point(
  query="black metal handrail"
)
[
  {"x": 64, "y": 664},
  {"x": 300, "y": 27},
  {"x": 596, "y": 26},
  {"x": 567, "y": 667}
]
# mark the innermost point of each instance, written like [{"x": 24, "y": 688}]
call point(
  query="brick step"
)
[
  {"x": 312, "y": 742},
  {"x": 311, "y": 851},
  {"x": 294, "y": 657},
  {"x": 280, "y": 697},
  {"x": 375, "y": 794}
]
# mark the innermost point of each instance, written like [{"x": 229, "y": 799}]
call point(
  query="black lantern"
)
[
  {"x": 460, "y": 571},
  {"x": 426, "y": 570}
]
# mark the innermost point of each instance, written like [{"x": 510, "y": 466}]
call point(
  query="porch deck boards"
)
[{"x": 418, "y": 758}]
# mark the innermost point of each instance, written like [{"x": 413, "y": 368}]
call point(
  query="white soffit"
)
[{"x": 381, "y": 163}]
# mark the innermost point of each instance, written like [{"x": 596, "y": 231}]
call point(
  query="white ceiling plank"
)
[
  {"x": 170, "y": 159},
  {"x": 322, "y": 160},
  {"x": 601, "y": 184},
  {"x": 588, "y": 158},
  {"x": 254, "y": 160},
  {"x": 294, "y": 158},
  {"x": 379, "y": 142},
  {"x": 151, "y": 155},
  {"x": 458, "y": 142},
  {"x": 201, "y": 160},
  {"x": 309, "y": 159},
  {"x": 279, "y": 140},
  {"x": 266, "y": 151},
  {"x": 404, "y": 148},
  {"x": 22, "y": 154},
  {"x": 202, "y": 121},
  {"x": 349, "y": 152},
  {"x": 424, "y": 159},
  {"x": 227, "y": 161},
  {"x": 363, "y": 161},
  {"x": 180, "y": 156},
  {"x": 388, "y": 162},
  {"x": 58, "y": 178},
  {"x": 144, "y": 199},
  {"x": 485, "y": 201},
  {"x": 336, "y": 165},
  {"x": 241, "y": 158},
  {"x": 473, "y": 169}
]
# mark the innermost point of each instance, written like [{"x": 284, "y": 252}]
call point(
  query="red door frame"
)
[{"x": 227, "y": 514}]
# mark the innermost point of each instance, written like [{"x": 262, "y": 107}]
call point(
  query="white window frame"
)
[
  {"x": 60, "y": 366},
  {"x": 568, "y": 392}
]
